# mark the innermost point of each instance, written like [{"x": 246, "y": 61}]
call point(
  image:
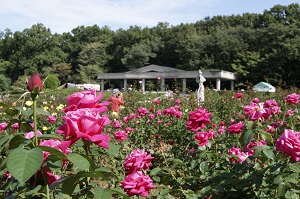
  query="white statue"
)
[{"x": 200, "y": 92}]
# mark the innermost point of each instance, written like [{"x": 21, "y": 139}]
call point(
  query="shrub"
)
[{"x": 51, "y": 82}]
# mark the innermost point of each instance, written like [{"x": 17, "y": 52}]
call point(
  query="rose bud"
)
[{"x": 34, "y": 81}]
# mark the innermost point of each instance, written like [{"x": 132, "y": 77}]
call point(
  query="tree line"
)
[{"x": 257, "y": 47}]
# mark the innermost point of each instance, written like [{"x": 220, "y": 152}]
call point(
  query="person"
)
[{"x": 116, "y": 100}]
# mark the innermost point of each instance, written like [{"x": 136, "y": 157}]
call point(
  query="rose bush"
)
[{"x": 238, "y": 146}]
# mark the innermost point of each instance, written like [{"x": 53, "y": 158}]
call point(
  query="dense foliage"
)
[{"x": 257, "y": 47}]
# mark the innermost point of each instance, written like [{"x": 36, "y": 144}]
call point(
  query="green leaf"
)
[
  {"x": 265, "y": 135},
  {"x": 32, "y": 192},
  {"x": 100, "y": 193},
  {"x": 79, "y": 162},
  {"x": 4, "y": 139},
  {"x": 69, "y": 185},
  {"x": 120, "y": 192},
  {"x": 281, "y": 190},
  {"x": 164, "y": 191},
  {"x": 48, "y": 136},
  {"x": 22, "y": 163},
  {"x": 81, "y": 174},
  {"x": 42, "y": 111},
  {"x": 57, "y": 182},
  {"x": 27, "y": 113},
  {"x": 176, "y": 161},
  {"x": 269, "y": 153},
  {"x": 92, "y": 163},
  {"x": 291, "y": 180},
  {"x": 248, "y": 136},
  {"x": 155, "y": 171},
  {"x": 103, "y": 172},
  {"x": 12, "y": 111},
  {"x": 54, "y": 163},
  {"x": 249, "y": 124},
  {"x": 257, "y": 180},
  {"x": 295, "y": 168},
  {"x": 113, "y": 149},
  {"x": 278, "y": 180},
  {"x": 53, "y": 151},
  {"x": 156, "y": 178},
  {"x": 17, "y": 141},
  {"x": 194, "y": 163},
  {"x": 24, "y": 126},
  {"x": 203, "y": 167}
]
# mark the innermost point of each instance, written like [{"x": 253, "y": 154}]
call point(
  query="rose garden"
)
[{"x": 62, "y": 144}]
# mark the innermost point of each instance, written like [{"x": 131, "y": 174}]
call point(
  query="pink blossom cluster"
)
[
  {"x": 147, "y": 116},
  {"x": 136, "y": 182},
  {"x": 261, "y": 110},
  {"x": 173, "y": 111}
]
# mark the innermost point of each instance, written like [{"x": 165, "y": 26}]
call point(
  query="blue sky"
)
[{"x": 64, "y": 15}]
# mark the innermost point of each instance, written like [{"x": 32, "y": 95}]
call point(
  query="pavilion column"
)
[
  {"x": 232, "y": 85},
  {"x": 218, "y": 84},
  {"x": 125, "y": 84},
  {"x": 143, "y": 84},
  {"x": 102, "y": 84},
  {"x": 162, "y": 85},
  {"x": 184, "y": 84}
]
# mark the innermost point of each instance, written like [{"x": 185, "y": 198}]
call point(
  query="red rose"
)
[{"x": 34, "y": 81}]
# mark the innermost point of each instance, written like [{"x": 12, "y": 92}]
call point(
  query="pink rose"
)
[
  {"x": 289, "y": 143},
  {"x": 131, "y": 116},
  {"x": 15, "y": 126},
  {"x": 142, "y": 111},
  {"x": 236, "y": 128},
  {"x": 251, "y": 145},
  {"x": 117, "y": 124},
  {"x": 254, "y": 110},
  {"x": 156, "y": 101},
  {"x": 197, "y": 119},
  {"x": 51, "y": 119},
  {"x": 255, "y": 100},
  {"x": 237, "y": 155},
  {"x": 3, "y": 125},
  {"x": 202, "y": 138},
  {"x": 34, "y": 81},
  {"x": 238, "y": 95},
  {"x": 137, "y": 160},
  {"x": 137, "y": 184},
  {"x": 85, "y": 99},
  {"x": 292, "y": 99},
  {"x": 151, "y": 116},
  {"x": 51, "y": 177},
  {"x": 177, "y": 101},
  {"x": 289, "y": 113},
  {"x": 120, "y": 136},
  {"x": 86, "y": 124},
  {"x": 56, "y": 144}
]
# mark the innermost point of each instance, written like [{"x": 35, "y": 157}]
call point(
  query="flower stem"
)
[{"x": 35, "y": 122}]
